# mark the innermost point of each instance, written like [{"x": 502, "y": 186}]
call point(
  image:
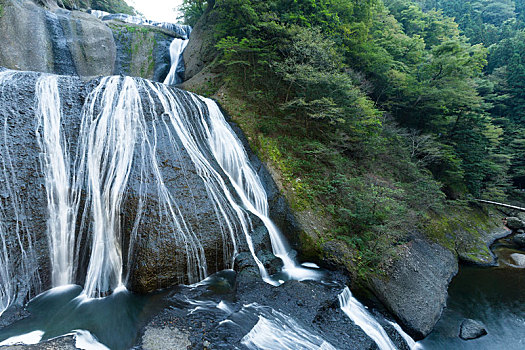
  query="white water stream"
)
[
  {"x": 62, "y": 198},
  {"x": 177, "y": 63},
  {"x": 361, "y": 317}
]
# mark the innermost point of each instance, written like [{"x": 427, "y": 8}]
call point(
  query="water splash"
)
[
  {"x": 27, "y": 339},
  {"x": 361, "y": 317},
  {"x": 275, "y": 330}
]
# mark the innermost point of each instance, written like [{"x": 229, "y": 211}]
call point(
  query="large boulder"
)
[
  {"x": 415, "y": 287},
  {"x": 471, "y": 329}
]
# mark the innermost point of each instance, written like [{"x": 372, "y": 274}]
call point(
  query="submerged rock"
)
[
  {"x": 519, "y": 259},
  {"x": 471, "y": 329},
  {"x": 519, "y": 240}
]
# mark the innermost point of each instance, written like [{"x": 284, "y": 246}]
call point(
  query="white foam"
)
[
  {"x": 86, "y": 341},
  {"x": 275, "y": 330},
  {"x": 27, "y": 339}
]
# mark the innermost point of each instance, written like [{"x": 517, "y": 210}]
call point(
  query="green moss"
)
[{"x": 464, "y": 228}]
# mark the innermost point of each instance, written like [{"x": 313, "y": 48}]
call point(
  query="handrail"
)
[{"x": 501, "y": 204}]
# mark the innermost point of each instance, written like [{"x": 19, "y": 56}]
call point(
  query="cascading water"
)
[
  {"x": 113, "y": 129},
  {"x": 175, "y": 75},
  {"x": 275, "y": 330},
  {"x": 107, "y": 140},
  {"x": 231, "y": 155},
  {"x": 411, "y": 343},
  {"x": 62, "y": 198},
  {"x": 361, "y": 317}
]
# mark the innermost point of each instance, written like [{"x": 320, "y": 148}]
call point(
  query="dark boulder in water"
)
[
  {"x": 519, "y": 240},
  {"x": 471, "y": 329},
  {"x": 515, "y": 223}
]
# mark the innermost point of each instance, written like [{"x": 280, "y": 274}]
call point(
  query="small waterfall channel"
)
[{"x": 86, "y": 173}]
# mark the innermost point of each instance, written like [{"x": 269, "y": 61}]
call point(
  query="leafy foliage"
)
[{"x": 374, "y": 111}]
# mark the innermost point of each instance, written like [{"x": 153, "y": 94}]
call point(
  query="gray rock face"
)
[
  {"x": 416, "y": 287},
  {"x": 471, "y": 329},
  {"x": 515, "y": 223},
  {"x": 59, "y": 41},
  {"x": 63, "y": 42},
  {"x": 201, "y": 49}
]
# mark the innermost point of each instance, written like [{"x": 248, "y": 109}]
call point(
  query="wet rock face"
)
[
  {"x": 416, "y": 287},
  {"x": 471, "y": 329},
  {"x": 141, "y": 51}
]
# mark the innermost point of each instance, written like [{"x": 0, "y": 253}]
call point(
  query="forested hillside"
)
[{"x": 379, "y": 116}]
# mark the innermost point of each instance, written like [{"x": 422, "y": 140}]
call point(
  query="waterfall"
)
[
  {"x": 177, "y": 47},
  {"x": 113, "y": 138},
  {"x": 108, "y": 137},
  {"x": 361, "y": 317},
  {"x": 62, "y": 199},
  {"x": 176, "y": 73},
  {"x": 107, "y": 140},
  {"x": 231, "y": 155}
]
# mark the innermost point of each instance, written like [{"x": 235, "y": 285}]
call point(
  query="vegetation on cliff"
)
[
  {"x": 375, "y": 114},
  {"x": 111, "y": 6}
]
